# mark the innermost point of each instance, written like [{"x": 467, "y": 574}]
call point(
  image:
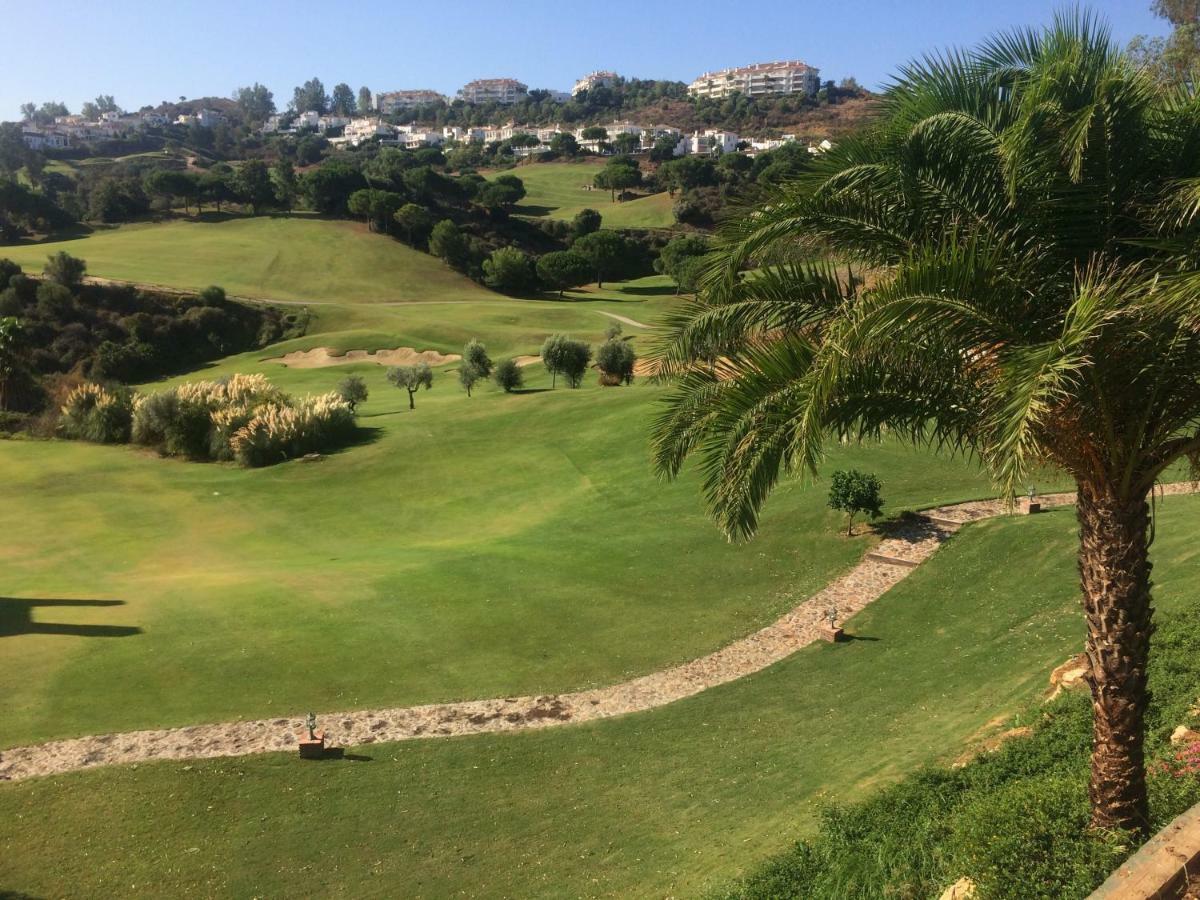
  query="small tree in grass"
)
[
  {"x": 563, "y": 356},
  {"x": 468, "y": 376},
  {"x": 509, "y": 376},
  {"x": 353, "y": 389},
  {"x": 854, "y": 492},
  {"x": 412, "y": 379},
  {"x": 616, "y": 359},
  {"x": 475, "y": 354}
]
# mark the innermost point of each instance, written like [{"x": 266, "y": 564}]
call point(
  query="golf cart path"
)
[{"x": 905, "y": 546}]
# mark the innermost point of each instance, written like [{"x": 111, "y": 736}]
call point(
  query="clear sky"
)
[{"x": 144, "y": 52}]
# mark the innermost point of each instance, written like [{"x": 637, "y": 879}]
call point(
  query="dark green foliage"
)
[
  {"x": 120, "y": 333},
  {"x": 447, "y": 242},
  {"x": 416, "y": 223},
  {"x": 54, "y": 302},
  {"x": 509, "y": 376},
  {"x": 8, "y": 269},
  {"x": 64, "y": 269},
  {"x": 378, "y": 208},
  {"x": 616, "y": 359},
  {"x": 328, "y": 188},
  {"x": 619, "y": 174},
  {"x": 508, "y": 269},
  {"x": 687, "y": 172},
  {"x": 353, "y": 389},
  {"x": 604, "y": 250},
  {"x": 586, "y": 221},
  {"x": 254, "y": 185},
  {"x": 699, "y": 207},
  {"x": 675, "y": 258},
  {"x": 564, "y": 269},
  {"x": 853, "y": 492},
  {"x": 310, "y": 96}
]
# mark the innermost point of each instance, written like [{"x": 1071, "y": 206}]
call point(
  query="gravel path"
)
[{"x": 906, "y": 545}]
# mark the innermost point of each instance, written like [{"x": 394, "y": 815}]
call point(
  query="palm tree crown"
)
[{"x": 1023, "y": 221}]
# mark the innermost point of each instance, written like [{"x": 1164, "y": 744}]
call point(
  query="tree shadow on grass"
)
[
  {"x": 529, "y": 390},
  {"x": 16, "y": 617},
  {"x": 533, "y": 211}
]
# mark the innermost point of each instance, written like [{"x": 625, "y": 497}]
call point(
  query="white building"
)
[
  {"x": 329, "y": 123},
  {"x": 709, "y": 142},
  {"x": 44, "y": 140},
  {"x": 593, "y": 80},
  {"x": 759, "y": 80},
  {"x": 359, "y": 131},
  {"x": 391, "y": 102},
  {"x": 494, "y": 90},
  {"x": 154, "y": 120},
  {"x": 307, "y": 119}
]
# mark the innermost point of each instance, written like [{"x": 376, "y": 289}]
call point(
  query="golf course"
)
[
  {"x": 488, "y": 546},
  {"x": 559, "y": 190}
]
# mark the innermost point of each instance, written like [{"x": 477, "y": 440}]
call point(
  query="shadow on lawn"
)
[{"x": 16, "y": 617}]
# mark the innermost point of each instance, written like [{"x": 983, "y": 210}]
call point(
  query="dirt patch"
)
[
  {"x": 320, "y": 357},
  {"x": 524, "y": 361}
]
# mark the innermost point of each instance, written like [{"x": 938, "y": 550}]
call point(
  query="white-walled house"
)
[
  {"x": 36, "y": 139},
  {"x": 709, "y": 142}
]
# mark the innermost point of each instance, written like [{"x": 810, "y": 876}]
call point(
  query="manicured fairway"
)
[
  {"x": 474, "y": 547},
  {"x": 664, "y": 803},
  {"x": 295, "y": 257},
  {"x": 558, "y": 190}
]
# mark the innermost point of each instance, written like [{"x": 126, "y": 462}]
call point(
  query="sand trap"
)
[
  {"x": 320, "y": 357},
  {"x": 524, "y": 361}
]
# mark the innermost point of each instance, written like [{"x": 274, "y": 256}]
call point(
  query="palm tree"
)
[{"x": 1024, "y": 218}]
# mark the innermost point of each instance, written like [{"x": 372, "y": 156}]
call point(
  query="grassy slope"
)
[
  {"x": 657, "y": 804},
  {"x": 279, "y": 257},
  {"x": 557, "y": 190}
]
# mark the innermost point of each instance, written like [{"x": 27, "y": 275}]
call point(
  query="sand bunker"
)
[
  {"x": 319, "y": 357},
  {"x": 524, "y": 361}
]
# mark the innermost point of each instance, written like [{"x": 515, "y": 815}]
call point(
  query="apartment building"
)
[
  {"x": 593, "y": 80},
  {"x": 391, "y": 102},
  {"x": 759, "y": 80},
  {"x": 494, "y": 90}
]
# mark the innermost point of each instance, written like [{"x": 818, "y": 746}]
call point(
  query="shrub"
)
[
  {"x": 213, "y": 295},
  {"x": 509, "y": 376},
  {"x": 276, "y": 432},
  {"x": 616, "y": 360},
  {"x": 65, "y": 269},
  {"x": 353, "y": 390},
  {"x": 54, "y": 302},
  {"x": 586, "y": 221},
  {"x": 475, "y": 354},
  {"x": 93, "y": 413},
  {"x": 244, "y": 417},
  {"x": 508, "y": 269}
]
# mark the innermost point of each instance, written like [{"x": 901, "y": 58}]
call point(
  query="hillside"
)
[
  {"x": 559, "y": 190},
  {"x": 287, "y": 257}
]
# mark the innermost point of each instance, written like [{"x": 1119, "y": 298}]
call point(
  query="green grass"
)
[
  {"x": 558, "y": 190},
  {"x": 298, "y": 258},
  {"x": 664, "y": 803},
  {"x": 475, "y": 547}
]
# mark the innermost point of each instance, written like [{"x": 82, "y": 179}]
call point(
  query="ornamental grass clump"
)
[
  {"x": 94, "y": 413},
  {"x": 243, "y": 418},
  {"x": 277, "y": 432}
]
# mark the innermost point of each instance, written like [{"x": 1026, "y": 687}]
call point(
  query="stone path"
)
[{"x": 906, "y": 545}]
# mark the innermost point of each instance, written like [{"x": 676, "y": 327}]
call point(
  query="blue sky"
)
[{"x": 145, "y": 52}]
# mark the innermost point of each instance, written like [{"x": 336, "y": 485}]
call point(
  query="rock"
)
[
  {"x": 1184, "y": 735},
  {"x": 963, "y": 889},
  {"x": 1068, "y": 675}
]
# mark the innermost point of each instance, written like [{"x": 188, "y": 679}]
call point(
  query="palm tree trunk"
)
[{"x": 1114, "y": 570}]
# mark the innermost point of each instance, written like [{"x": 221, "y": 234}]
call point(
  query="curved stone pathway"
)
[{"x": 907, "y": 544}]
